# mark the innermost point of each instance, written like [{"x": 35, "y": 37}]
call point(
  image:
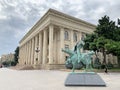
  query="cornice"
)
[
  {"x": 35, "y": 26},
  {"x": 63, "y": 15},
  {"x": 52, "y": 12}
]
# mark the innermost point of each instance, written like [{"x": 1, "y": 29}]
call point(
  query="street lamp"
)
[{"x": 37, "y": 50}]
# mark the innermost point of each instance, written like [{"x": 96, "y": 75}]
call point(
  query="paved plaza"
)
[{"x": 48, "y": 80}]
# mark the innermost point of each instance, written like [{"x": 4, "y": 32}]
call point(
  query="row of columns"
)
[
  {"x": 44, "y": 40},
  {"x": 28, "y": 55}
]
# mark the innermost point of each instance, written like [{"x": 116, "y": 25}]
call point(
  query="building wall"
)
[
  {"x": 109, "y": 58},
  {"x": 7, "y": 57}
]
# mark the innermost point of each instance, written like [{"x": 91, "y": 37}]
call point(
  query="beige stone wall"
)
[
  {"x": 7, "y": 57},
  {"x": 109, "y": 58}
]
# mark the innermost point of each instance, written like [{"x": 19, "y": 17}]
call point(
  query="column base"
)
[
  {"x": 49, "y": 66},
  {"x": 42, "y": 66}
]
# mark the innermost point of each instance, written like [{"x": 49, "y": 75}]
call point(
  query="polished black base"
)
[{"x": 84, "y": 79}]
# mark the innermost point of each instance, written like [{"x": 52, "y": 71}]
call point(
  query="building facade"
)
[
  {"x": 7, "y": 57},
  {"x": 41, "y": 46}
]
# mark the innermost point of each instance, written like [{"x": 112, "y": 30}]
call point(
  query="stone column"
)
[
  {"x": 45, "y": 46},
  {"x": 32, "y": 51},
  {"x": 36, "y": 45},
  {"x": 51, "y": 44},
  {"x": 25, "y": 61},
  {"x": 23, "y": 54},
  {"x": 62, "y": 55},
  {"x": 71, "y": 39},
  {"x": 79, "y": 36},
  {"x": 40, "y": 48},
  {"x": 29, "y": 52}
]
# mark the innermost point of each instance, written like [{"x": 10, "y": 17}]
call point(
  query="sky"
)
[{"x": 18, "y": 16}]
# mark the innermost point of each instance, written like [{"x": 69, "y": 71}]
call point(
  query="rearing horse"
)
[{"x": 75, "y": 56}]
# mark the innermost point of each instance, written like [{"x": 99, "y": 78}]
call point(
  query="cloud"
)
[{"x": 18, "y": 16}]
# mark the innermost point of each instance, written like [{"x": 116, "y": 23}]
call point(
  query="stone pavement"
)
[{"x": 48, "y": 80}]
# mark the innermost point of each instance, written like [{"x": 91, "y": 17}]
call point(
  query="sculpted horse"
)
[
  {"x": 75, "y": 56},
  {"x": 86, "y": 60}
]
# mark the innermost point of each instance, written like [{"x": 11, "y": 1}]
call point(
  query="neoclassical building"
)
[{"x": 41, "y": 46}]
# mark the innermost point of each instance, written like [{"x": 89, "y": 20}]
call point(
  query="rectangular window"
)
[
  {"x": 75, "y": 36},
  {"x": 83, "y": 36},
  {"x": 66, "y": 46},
  {"x": 66, "y": 34}
]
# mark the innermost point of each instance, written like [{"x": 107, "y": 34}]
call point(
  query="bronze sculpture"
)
[{"x": 76, "y": 56}]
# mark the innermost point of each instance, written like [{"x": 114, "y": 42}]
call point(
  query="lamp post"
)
[{"x": 37, "y": 51}]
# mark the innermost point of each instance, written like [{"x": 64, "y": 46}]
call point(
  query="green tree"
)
[
  {"x": 16, "y": 55},
  {"x": 116, "y": 34},
  {"x": 105, "y": 32},
  {"x": 105, "y": 28},
  {"x": 114, "y": 48},
  {"x": 90, "y": 44}
]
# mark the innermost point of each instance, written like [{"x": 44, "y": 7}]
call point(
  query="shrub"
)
[
  {"x": 110, "y": 65},
  {"x": 97, "y": 64},
  {"x": 70, "y": 66}
]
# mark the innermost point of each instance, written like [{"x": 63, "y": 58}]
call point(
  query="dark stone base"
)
[{"x": 84, "y": 79}]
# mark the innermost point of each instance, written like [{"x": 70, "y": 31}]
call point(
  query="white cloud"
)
[
  {"x": 3, "y": 17},
  {"x": 18, "y": 16}
]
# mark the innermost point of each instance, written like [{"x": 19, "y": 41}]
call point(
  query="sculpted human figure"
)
[{"x": 75, "y": 56}]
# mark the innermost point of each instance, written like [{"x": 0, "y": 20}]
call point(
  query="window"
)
[
  {"x": 75, "y": 36},
  {"x": 66, "y": 46},
  {"x": 66, "y": 35},
  {"x": 83, "y": 36}
]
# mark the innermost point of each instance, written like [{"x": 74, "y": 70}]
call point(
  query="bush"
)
[
  {"x": 103, "y": 66},
  {"x": 97, "y": 64},
  {"x": 6, "y": 63},
  {"x": 110, "y": 65},
  {"x": 9, "y": 63},
  {"x": 70, "y": 66},
  {"x": 13, "y": 63}
]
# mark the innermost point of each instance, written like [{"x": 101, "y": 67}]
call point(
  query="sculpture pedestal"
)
[{"x": 84, "y": 79}]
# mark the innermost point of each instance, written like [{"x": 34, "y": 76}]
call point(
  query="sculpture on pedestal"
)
[{"x": 84, "y": 78}]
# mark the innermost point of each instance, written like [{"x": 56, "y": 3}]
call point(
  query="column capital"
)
[{"x": 61, "y": 28}]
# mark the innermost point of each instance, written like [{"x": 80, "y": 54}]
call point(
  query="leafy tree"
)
[
  {"x": 97, "y": 63},
  {"x": 16, "y": 55},
  {"x": 105, "y": 28},
  {"x": 100, "y": 44},
  {"x": 90, "y": 44},
  {"x": 114, "y": 48},
  {"x": 106, "y": 32},
  {"x": 116, "y": 35}
]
